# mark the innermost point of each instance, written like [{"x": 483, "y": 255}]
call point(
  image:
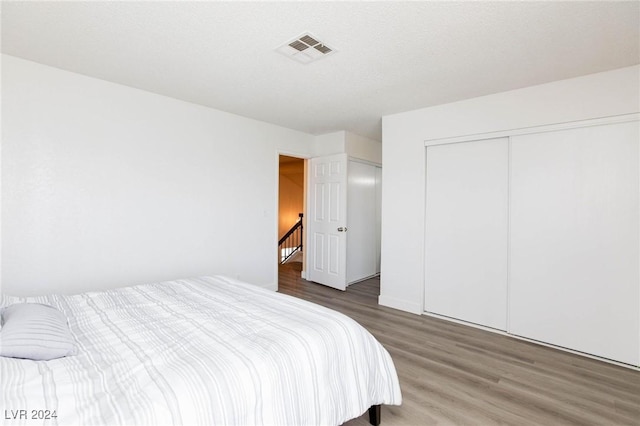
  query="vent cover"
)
[{"x": 305, "y": 48}]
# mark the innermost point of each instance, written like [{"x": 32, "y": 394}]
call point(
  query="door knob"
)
[{"x": 341, "y": 229}]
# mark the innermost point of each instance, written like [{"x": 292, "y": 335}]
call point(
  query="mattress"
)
[{"x": 207, "y": 351}]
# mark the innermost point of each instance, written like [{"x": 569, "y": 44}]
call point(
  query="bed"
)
[{"x": 202, "y": 351}]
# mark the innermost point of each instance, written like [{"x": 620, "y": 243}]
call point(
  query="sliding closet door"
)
[
  {"x": 361, "y": 221},
  {"x": 466, "y": 231},
  {"x": 574, "y": 239}
]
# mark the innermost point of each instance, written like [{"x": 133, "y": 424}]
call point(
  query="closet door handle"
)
[{"x": 341, "y": 229}]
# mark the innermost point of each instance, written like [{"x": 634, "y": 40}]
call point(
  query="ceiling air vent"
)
[{"x": 305, "y": 48}]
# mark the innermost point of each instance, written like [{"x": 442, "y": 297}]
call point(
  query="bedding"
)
[{"x": 207, "y": 351}]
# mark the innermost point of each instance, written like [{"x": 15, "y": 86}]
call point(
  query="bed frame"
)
[{"x": 374, "y": 415}]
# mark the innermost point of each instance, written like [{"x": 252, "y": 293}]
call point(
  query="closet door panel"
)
[
  {"x": 574, "y": 268},
  {"x": 361, "y": 221},
  {"x": 466, "y": 231}
]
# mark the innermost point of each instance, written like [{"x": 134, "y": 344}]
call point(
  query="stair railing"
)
[{"x": 291, "y": 242}]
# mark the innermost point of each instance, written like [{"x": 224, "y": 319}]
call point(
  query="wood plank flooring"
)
[{"x": 455, "y": 374}]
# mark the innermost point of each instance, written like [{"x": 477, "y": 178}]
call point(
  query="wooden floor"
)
[{"x": 454, "y": 374}]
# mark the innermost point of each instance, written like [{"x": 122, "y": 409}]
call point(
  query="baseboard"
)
[{"x": 400, "y": 304}]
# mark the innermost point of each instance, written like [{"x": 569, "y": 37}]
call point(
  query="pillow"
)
[{"x": 34, "y": 331}]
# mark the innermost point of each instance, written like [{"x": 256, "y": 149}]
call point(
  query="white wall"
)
[
  {"x": 355, "y": 146},
  {"x": 1, "y": 133},
  {"x": 329, "y": 143},
  {"x": 104, "y": 185},
  {"x": 403, "y": 154}
]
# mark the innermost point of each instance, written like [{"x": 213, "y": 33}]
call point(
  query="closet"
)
[
  {"x": 537, "y": 234},
  {"x": 364, "y": 183}
]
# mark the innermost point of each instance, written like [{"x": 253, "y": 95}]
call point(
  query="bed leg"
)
[{"x": 374, "y": 415}]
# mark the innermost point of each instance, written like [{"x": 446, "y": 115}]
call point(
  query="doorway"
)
[
  {"x": 331, "y": 180},
  {"x": 291, "y": 190}
]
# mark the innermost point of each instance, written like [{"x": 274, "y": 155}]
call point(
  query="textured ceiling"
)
[{"x": 391, "y": 56}]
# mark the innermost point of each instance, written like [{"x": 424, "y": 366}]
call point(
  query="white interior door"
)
[
  {"x": 327, "y": 221},
  {"x": 466, "y": 231}
]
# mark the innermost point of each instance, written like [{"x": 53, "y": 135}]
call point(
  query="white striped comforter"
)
[{"x": 207, "y": 351}]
